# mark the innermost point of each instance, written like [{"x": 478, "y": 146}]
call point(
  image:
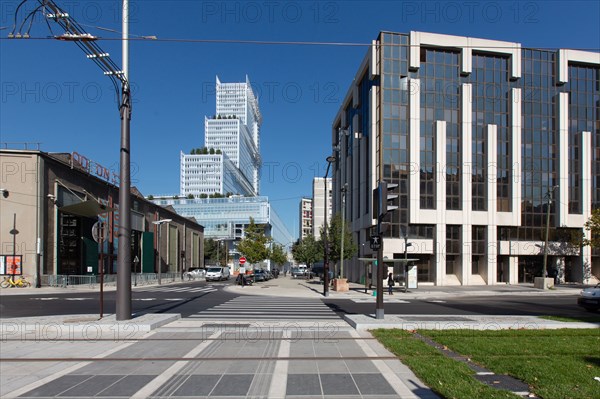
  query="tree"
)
[
  {"x": 593, "y": 226},
  {"x": 255, "y": 244},
  {"x": 308, "y": 250},
  {"x": 150, "y": 197},
  {"x": 278, "y": 255},
  {"x": 193, "y": 152},
  {"x": 190, "y": 196},
  {"x": 334, "y": 238},
  {"x": 215, "y": 251}
]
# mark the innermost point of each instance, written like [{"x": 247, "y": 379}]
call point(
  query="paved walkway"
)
[{"x": 162, "y": 355}]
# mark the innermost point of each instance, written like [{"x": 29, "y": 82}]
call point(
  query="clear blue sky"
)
[{"x": 52, "y": 94}]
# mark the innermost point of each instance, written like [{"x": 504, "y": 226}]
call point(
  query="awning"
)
[{"x": 90, "y": 208}]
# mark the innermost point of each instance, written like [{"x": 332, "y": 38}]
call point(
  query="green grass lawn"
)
[{"x": 555, "y": 363}]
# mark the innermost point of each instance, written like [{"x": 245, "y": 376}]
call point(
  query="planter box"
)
[
  {"x": 340, "y": 285},
  {"x": 539, "y": 282}
]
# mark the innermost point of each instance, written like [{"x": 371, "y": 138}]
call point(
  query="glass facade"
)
[{"x": 228, "y": 217}]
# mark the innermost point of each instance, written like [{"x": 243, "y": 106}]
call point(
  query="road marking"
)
[
  {"x": 77, "y": 299},
  {"x": 280, "y": 373}
]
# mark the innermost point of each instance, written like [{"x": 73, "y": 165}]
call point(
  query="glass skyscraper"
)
[{"x": 485, "y": 139}]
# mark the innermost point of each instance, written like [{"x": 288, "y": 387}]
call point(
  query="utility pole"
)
[
  {"x": 330, "y": 159},
  {"x": 74, "y": 32},
  {"x": 123, "y": 305}
]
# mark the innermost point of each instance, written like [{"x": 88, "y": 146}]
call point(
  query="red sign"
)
[{"x": 242, "y": 260}]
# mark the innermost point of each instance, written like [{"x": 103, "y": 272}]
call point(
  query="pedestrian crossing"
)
[
  {"x": 175, "y": 289},
  {"x": 248, "y": 307}
]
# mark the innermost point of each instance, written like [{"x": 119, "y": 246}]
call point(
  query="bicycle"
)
[{"x": 19, "y": 282}]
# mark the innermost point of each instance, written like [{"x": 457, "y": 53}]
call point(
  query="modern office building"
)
[
  {"x": 321, "y": 201},
  {"x": 487, "y": 141},
  {"x": 226, "y": 219},
  {"x": 227, "y": 165},
  {"x": 306, "y": 217}
]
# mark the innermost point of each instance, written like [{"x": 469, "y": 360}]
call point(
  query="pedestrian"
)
[{"x": 391, "y": 283}]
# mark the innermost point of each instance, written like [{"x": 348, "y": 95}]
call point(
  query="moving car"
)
[
  {"x": 194, "y": 274},
  {"x": 589, "y": 299},
  {"x": 217, "y": 273}
]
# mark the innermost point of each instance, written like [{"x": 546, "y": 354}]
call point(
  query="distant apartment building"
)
[
  {"x": 306, "y": 217},
  {"x": 321, "y": 204},
  {"x": 486, "y": 139}
]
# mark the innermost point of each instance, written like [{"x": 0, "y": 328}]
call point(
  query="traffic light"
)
[{"x": 387, "y": 197}]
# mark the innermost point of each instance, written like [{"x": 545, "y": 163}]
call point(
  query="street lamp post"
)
[
  {"x": 343, "y": 234},
  {"x": 330, "y": 159},
  {"x": 549, "y": 202},
  {"x": 159, "y": 223}
]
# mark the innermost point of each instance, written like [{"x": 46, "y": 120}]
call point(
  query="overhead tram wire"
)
[{"x": 287, "y": 43}]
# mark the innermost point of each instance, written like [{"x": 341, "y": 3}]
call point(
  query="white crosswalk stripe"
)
[
  {"x": 170, "y": 289},
  {"x": 268, "y": 308}
]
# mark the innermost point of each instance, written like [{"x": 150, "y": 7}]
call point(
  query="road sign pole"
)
[{"x": 379, "y": 313}]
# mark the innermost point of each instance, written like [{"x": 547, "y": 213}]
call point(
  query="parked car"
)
[
  {"x": 260, "y": 275},
  {"x": 589, "y": 299},
  {"x": 217, "y": 273}
]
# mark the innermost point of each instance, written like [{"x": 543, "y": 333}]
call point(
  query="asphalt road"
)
[{"x": 196, "y": 296}]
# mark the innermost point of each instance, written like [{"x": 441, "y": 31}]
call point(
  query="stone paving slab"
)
[{"x": 445, "y": 322}]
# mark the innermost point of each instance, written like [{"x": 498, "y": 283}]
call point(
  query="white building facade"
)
[
  {"x": 208, "y": 174},
  {"x": 306, "y": 217},
  {"x": 233, "y": 135},
  {"x": 486, "y": 140},
  {"x": 321, "y": 201}
]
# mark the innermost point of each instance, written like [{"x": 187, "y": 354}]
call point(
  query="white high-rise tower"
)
[{"x": 232, "y": 137}]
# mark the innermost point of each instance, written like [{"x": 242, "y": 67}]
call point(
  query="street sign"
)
[
  {"x": 99, "y": 231},
  {"x": 375, "y": 242},
  {"x": 242, "y": 260}
]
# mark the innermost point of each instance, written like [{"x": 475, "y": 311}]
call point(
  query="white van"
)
[{"x": 217, "y": 273}]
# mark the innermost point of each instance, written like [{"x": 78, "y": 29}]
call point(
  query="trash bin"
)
[{"x": 374, "y": 292}]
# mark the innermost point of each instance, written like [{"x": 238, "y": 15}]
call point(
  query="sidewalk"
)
[
  {"x": 162, "y": 355},
  {"x": 299, "y": 287}
]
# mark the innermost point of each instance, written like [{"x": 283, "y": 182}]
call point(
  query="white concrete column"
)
[
  {"x": 466, "y": 98},
  {"x": 440, "y": 254},
  {"x": 492, "y": 199},
  {"x": 516, "y": 156},
  {"x": 563, "y": 159},
  {"x": 440, "y": 196},
  {"x": 513, "y": 270},
  {"x": 414, "y": 104},
  {"x": 586, "y": 194}
]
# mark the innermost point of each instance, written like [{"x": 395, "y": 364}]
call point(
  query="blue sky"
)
[{"x": 50, "y": 93}]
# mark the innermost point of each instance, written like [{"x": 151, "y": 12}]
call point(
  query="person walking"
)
[{"x": 390, "y": 283}]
